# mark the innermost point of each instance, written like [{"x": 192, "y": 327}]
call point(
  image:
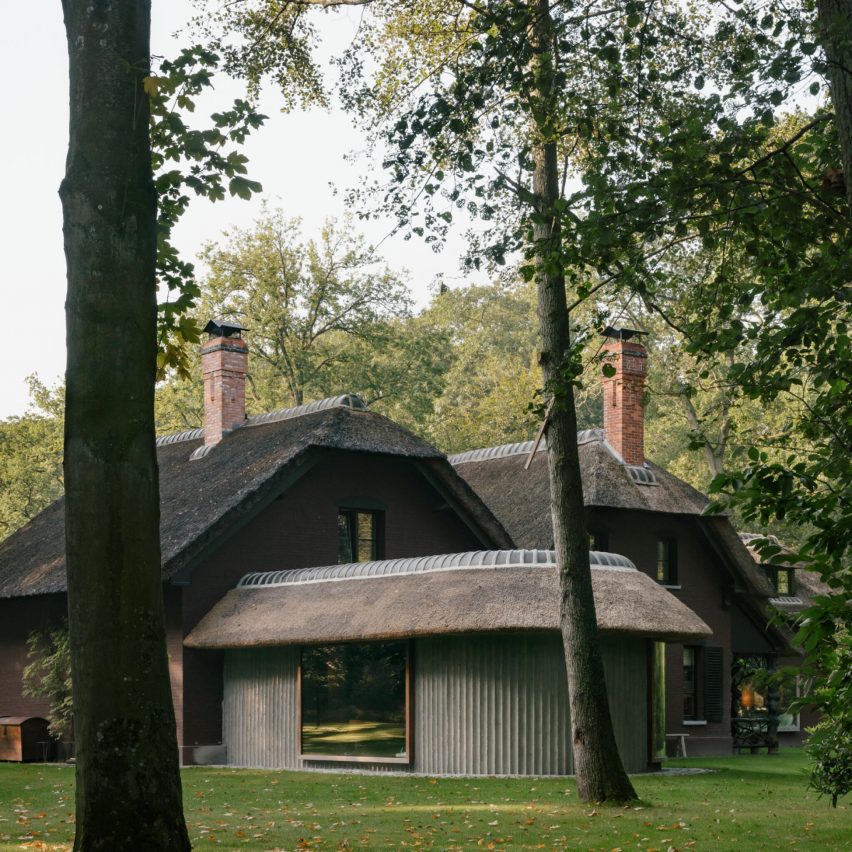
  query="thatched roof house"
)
[
  {"x": 636, "y": 508},
  {"x": 203, "y": 500}
]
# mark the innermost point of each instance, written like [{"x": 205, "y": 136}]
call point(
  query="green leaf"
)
[{"x": 243, "y": 187}]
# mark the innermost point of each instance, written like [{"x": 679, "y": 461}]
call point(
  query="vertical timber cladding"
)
[
  {"x": 497, "y": 704},
  {"x": 487, "y": 704},
  {"x": 260, "y": 707}
]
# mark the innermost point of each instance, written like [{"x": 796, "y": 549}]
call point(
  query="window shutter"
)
[{"x": 713, "y": 684}]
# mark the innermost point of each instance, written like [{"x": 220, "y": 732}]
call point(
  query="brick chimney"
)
[
  {"x": 224, "y": 364},
  {"x": 623, "y": 412}
]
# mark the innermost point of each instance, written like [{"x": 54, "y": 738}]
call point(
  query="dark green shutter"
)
[{"x": 713, "y": 684}]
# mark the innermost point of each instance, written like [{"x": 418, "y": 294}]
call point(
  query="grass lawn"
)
[{"x": 748, "y": 802}]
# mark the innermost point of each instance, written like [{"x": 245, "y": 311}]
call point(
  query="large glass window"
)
[
  {"x": 355, "y": 702},
  {"x": 359, "y": 535}
]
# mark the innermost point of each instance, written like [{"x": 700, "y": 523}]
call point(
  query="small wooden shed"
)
[{"x": 24, "y": 738}]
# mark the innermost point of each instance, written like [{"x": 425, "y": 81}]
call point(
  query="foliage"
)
[
  {"x": 189, "y": 161},
  {"x": 826, "y": 634},
  {"x": 325, "y": 316},
  {"x": 48, "y": 675},
  {"x": 31, "y": 457},
  {"x": 491, "y": 379},
  {"x": 828, "y": 747},
  {"x": 744, "y": 802}
]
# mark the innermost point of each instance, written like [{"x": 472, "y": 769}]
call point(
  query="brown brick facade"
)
[
  {"x": 623, "y": 409},
  {"x": 19, "y": 617},
  {"x": 701, "y": 586}
]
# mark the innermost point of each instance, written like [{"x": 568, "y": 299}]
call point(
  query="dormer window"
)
[
  {"x": 781, "y": 579},
  {"x": 667, "y": 561},
  {"x": 359, "y": 535}
]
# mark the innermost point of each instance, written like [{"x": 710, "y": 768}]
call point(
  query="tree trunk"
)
[
  {"x": 713, "y": 454},
  {"x": 835, "y": 25},
  {"x": 597, "y": 764},
  {"x": 128, "y": 782}
]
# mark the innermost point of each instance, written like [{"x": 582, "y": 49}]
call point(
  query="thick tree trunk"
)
[
  {"x": 597, "y": 764},
  {"x": 128, "y": 781},
  {"x": 835, "y": 25}
]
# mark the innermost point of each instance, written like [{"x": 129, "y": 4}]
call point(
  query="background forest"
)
[{"x": 326, "y": 316}]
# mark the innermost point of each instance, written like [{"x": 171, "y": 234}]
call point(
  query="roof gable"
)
[
  {"x": 202, "y": 499},
  {"x": 520, "y": 496}
]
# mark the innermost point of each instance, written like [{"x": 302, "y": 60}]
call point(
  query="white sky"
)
[{"x": 295, "y": 157}]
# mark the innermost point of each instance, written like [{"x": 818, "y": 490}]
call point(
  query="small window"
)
[
  {"x": 667, "y": 561},
  {"x": 781, "y": 580},
  {"x": 690, "y": 682},
  {"x": 598, "y": 540},
  {"x": 359, "y": 535},
  {"x": 355, "y": 701}
]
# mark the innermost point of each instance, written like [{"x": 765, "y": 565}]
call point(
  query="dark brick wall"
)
[
  {"x": 300, "y": 530},
  {"x": 702, "y": 581},
  {"x": 172, "y": 600},
  {"x": 18, "y": 618}
]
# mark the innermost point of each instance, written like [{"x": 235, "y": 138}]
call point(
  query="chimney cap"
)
[
  {"x": 224, "y": 328},
  {"x": 622, "y": 333}
]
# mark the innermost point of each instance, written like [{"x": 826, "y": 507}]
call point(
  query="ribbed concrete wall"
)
[{"x": 483, "y": 705}]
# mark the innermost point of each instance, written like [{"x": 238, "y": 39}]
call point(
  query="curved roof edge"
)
[
  {"x": 426, "y": 564},
  {"x": 522, "y": 448}
]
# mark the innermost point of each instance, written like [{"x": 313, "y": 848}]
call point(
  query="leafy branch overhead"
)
[{"x": 188, "y": 161}]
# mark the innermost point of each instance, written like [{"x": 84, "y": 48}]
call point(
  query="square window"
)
[
  {"x": 598, "y": 540},
  {"x": 781, "y": 580}
]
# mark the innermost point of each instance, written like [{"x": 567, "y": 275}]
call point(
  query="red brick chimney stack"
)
[
  {"x": 224, "y": 364},
  {"x": 623, "y": 412}
]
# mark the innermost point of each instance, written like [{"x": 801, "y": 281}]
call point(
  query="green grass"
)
[{"x": 749, "y": 802}]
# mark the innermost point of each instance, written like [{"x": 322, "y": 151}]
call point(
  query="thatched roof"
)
[
  {"x": 202, "y": 499},
  {"x": 455, "y": 593},
  {"x": 521, "y": 498}
]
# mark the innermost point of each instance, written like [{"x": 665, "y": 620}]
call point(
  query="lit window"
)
[
  {"x": 358, "y": 536},
  {"x": 667, "y": 562},
  {"x": 355, "y": 702}
]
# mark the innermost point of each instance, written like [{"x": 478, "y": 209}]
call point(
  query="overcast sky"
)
[{"x": 295, "y": 157}]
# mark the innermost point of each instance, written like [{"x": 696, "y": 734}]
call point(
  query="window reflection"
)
[
  {"x": 358, "y": 536},
  {"x": 354, "y": 701}
]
